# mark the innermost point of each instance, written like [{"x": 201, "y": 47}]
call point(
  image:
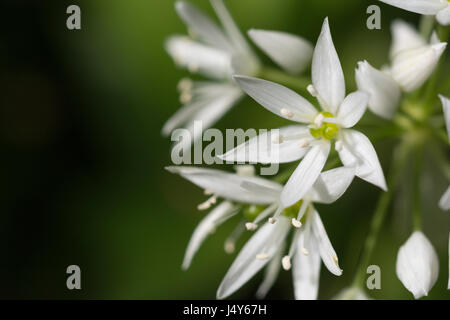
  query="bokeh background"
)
[{"x": 83, "y": 179}]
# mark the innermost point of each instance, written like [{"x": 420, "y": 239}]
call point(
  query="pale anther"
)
[{"x": 286, "y": 262}]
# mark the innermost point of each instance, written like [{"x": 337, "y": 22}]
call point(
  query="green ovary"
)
[
  {"x": 327, "y": 131},
  {"x": 252, "y": 211},
  {"x": 292, "y": 211}
]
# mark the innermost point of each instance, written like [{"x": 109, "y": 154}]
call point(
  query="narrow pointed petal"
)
[
  {"x": 327, "y": 74},
  {"x": 417, "y": 265},
  {"x": 228, "y": 185},
  {"x": 263, "y": 148},
  {"x": 411, "y": 68},
  {"x": 384, "y": 93},
  {"x": 427, "y": 7},
  {"x": 326, "y": 249},
  {"x": 267, "y": 240},
  {"x": 448, "y": 287},
  {"x": 306, "y": 269},
  {"x": 289, "y": 51},
  {"x": 270, "y": 275},
  {"x": 305, "y": 175},
  {"x": 444, "y": 202},
  {"x": 404, "y": 37},
  {"x": 331, "y": 185},
  {"x": 199, "y": 58},
  {"x": 181, "y": 116},
  {"x": 202, "y": 26},
  {"x": 357, "y": 150},
  {"x": 278, "y": 99},
  {"x": 204, "y": 228},
  {"x": 446, "y": 108},
  {"x": 352, "y": 109},
  {"x": 443, "y": 16}
]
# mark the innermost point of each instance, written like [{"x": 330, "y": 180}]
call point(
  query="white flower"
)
[
  {"x": 289, "y": 51},
  {"x": 413, "y": 61},
  {"x": 310, "y": 243},
  {"x": 214, "y": 53},
  {"x": 352, "y": 293},
  {"x": 444, "y": 203},
  {"x": 417, "y": 265},
  {"x": 312, "y": 142},
  {"x": 439, "y": 8}
]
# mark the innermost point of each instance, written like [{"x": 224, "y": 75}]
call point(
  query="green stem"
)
[
  {"x": 400, "y": 156},
  {"x": 294, "y": 82},
  {"x": 417, "y": 212}
]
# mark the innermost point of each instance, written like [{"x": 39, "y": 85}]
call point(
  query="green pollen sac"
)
[
  {"x": 252, "y": 211},
  {"x": 327, "y": 131},
  {"x": 292, "y": 211}
]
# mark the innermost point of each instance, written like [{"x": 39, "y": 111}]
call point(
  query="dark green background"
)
[{"x": 82, "y": 156}]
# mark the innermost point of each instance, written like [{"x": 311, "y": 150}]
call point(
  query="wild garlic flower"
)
[
  {"x": 312, "y": 142},
  {"x": 417, "y": 265},
  {"x": 444, "y": 203},
  {"x": 352, "y": 293},
  {"x": 438, "y": 8},
  {"x": 413, "y": 60},
  {"x": 215, "y": 53},
  {"x": 310, "y": 243}
]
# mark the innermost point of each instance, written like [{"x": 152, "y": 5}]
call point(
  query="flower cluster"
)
[{"x": 281, "y": 211}]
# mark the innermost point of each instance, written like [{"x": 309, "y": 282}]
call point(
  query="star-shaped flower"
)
[{"x": 439, "y": 8}]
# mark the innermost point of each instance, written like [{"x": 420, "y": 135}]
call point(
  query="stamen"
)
[
  {"x": 192, "y": 67},
  {"x": 207, "y": 204},
  {"x": 262, "y": 256},
  {"x": 251, "y": 226},
  {"x": 265, "y": 213},
  {"x": 338, "y": 145},
  {"x": 296, "y": 223},
  {"x": 318, "y": 121},
  {"x": 335, "y": 260},
  {"x": 185, "y": 85},
  {"x": 272, "y": 220},
  {"x": 277, "y": 138},
  {"x": 230, "y": 242},
  {"x": 185, "y": 97},
  {"x": 229, "y": 247},
  {"x": 312, "y": 90},
  {"x": 286, "y": 113},
  {"x": 286, "y": 262},
  {"x": 207, "y": 192},
  {"x": 303, "y": 143},
  {"x": 302, "y": 210},
  {"x": 304, "y": 251}
]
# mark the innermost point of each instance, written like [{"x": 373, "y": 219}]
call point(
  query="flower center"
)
[
  {"x": 251, "y": 212},
  {"x": 323, "y": 129},
  {"x": 292, "y": 211}
]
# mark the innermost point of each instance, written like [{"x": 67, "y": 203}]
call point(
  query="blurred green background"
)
[{"x": 83, "y": 158}]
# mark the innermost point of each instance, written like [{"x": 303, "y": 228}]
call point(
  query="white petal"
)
[
  {"x": 444, "y": 202},
  {"x": 331, "y": 185},
  {"x": 411, "y": 68},
  {"x": 443, "y": 16},
  {"x": 352, "y": 293},
  {"x": 448, "y": 287},
  {"x": 228, "y": 185},
  {"x": 268, "y": 240},
  {"x": 327, "y": 75},
  {"x": 270, "y": 275},
  {"x": 357, "y": 150},
  {"x": 446, "y": 107},
  {"x": 289, "y": 51},
  {"x": 198, "y": 57},
  {"x": 352, "y": 109},
  {"x": 428, "y": 7},
  {"x": 209, "y": 222},
  {"x": 182, "y": 115},
  {"x": 202, "y": 26},
  {"x": 404, "y": 37},
  {"x": 326, "y": 250},
  {"x": 306, "y": 269},
  {"x": 305, "y": 174},
  {"x": 263, "y": 148},
  {"x": 278, "y": 99},
  {"x": 417, "y": 265},
  {"x": 384, "y": 93}
]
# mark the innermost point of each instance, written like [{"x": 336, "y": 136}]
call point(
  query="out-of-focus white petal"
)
[
  {"x": 384, "y": 93},
  {"x": 267, "y": 240},
  {"x": 357, "y": 150},
  {"x": 213, "y": 219},
  {"x": 327, "y": 74},
  {"x": 267, "y": 147},
  {"x": 326, "y": 249},
  {"x": 446, "y": 107},
  {"x": 228, "y": 185},
  {"x": 197, "y": 57},
  {"x": 404, "y": 37},
  {"x": 448, "y": 287},
  {"x": 351, "y": 294},
  {"x": 278, "y": 99},
  {"x": 331, "y": 185},
  {"x": 417, "y": 265},
  {"x": 305, "y": 174},
  {"x": 428, "y": 7},
  {"x": 182, "y": 115},
  {"x": 202, "y": 26},
  {"x": 271, "y": 274},
  {"x": 352, "y": 108},
  {"x": 291, "y": 52},
  {"x": 444, "y": 202},
  {"x": 443, "y": 16},
  {"x": 306, "y": 268},
  {"x": 411, "y": 68}
]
